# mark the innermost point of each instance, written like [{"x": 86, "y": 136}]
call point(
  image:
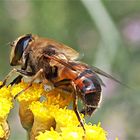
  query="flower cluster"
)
[
  {"x": 6, "y": 105},
  {"x": 44, "y": 114}
]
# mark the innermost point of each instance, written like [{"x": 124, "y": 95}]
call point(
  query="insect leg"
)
[
  {"x": 30, "y": 84},
  {"x": 19, "y": 77},
  {"x": 16, "y": 80},
  {"x": 62, "y": 82},
  {"x": 64, "y": 85},
  {"x": 75, "y": 107},
  {"x": 7, "y": 77},
  {"x": 25, "y": 73}
]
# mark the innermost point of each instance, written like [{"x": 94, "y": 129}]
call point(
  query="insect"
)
[{"x": 47, "y": 60}]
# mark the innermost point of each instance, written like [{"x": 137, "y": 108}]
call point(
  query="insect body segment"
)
[
  {"x": 87, "y": 82},
  {"x": 90, "y": 90}
]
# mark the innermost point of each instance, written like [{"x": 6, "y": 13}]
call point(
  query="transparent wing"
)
[
  {"x": 100, "y": 80},
  {"x": 83, "y": 65},
  {"x": 60, "y": 61},
  {"x": 100, "y": 72}
]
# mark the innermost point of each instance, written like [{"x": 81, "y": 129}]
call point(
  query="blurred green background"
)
[{"x": 107, "y": 32}]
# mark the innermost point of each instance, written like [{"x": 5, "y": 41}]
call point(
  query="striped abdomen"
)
[{"x": 90, "y": 89}]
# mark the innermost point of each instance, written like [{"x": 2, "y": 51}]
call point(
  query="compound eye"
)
[{"x": 21, "y": 45}]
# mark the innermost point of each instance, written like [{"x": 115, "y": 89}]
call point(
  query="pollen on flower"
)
[
  {"x": 95, "y": 130},
  {"x": 49, "y": 135},
  {"x": 52, "y": 116},
  {"x": 40, "y": 111},
  {"x": 5, "y": 106},
  {"x": 43, "y": 119},
  {"x": 58, "y": 97},
  {"x": 5, "y": 102},
  {"x": 74, "y": 133},
  {"x": 25, "y": 99},
  {"x": 64, "y": 118},
  {"x": 33, "y": 93},
  {"x": 5, "y": 92}
]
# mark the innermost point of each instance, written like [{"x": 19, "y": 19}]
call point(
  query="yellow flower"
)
[
  {"x": 5, "y": 93},
  {"x": 72, "y": 133},
  {"x": 93, "y": 132},
  {"x": 5, "y": 102},
  {"x": 43, "y": 119},
  {"x": 58, "y": 97},
  {"x": 5, "y": 106},
  {"x": 61, "y": 123},
  {"x": 41, "y": 112},
  {"x": 25, "y": 99},
  {"x": 65, "y": 118},
  {"x": 49, "y": 135},
  {"x": 47, "y": 116},
  {"x": 32, "y": 94},
  {"x": 49, "y": 119}
]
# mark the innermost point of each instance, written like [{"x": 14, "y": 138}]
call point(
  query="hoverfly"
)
[{"x": 46, "y": 59}]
